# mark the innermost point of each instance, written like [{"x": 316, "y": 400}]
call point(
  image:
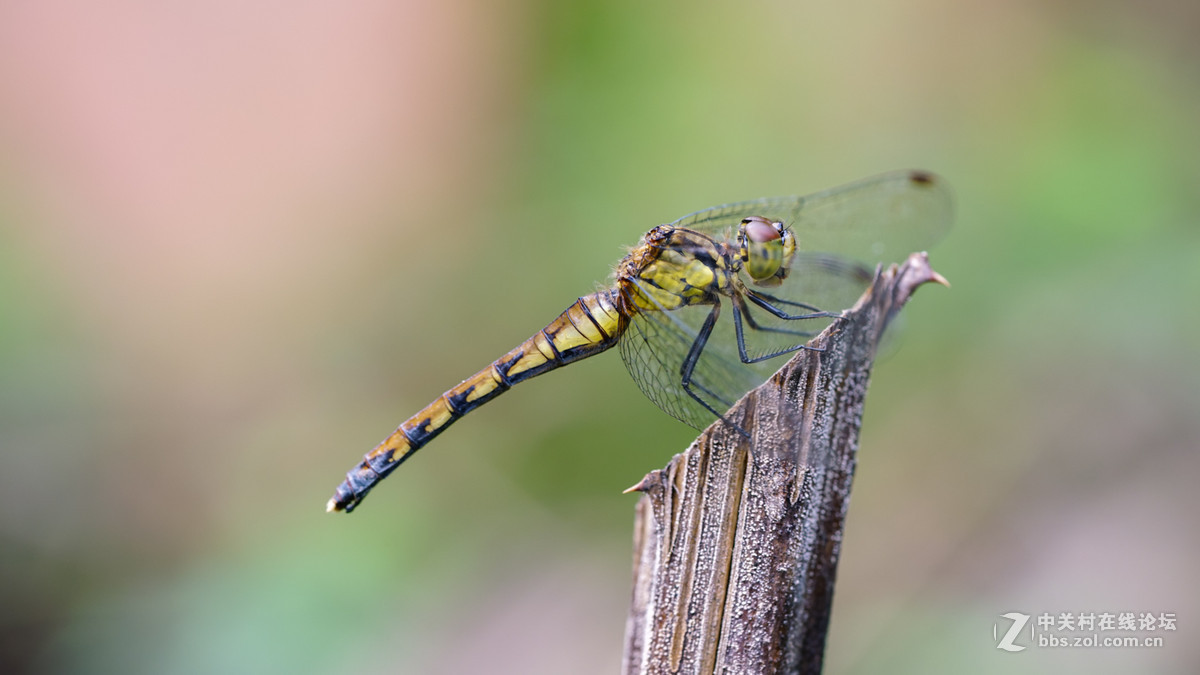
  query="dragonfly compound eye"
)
[{"x": 763, "y": 244}]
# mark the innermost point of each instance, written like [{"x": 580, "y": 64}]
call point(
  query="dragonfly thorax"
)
[
  {"x": 676, "y": 267},
  {"x": 766, "y": 249}
]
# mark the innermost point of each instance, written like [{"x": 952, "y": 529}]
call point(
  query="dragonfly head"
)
[{"x": 766, "y": 250}]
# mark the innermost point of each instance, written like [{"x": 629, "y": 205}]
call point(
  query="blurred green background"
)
[{"x": 241, "y": 241}]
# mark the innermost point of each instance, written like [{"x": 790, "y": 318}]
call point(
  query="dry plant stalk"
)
[{"x": 736, "y": 540}]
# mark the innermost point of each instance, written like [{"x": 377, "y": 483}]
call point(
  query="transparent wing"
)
[
  {"x": 875, "y": 220},
  {"x": 654, "y": 348},
  {"x": 841, "y": 234}
]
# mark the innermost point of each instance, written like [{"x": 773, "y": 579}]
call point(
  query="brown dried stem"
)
[{"x": 736, "y": 540}]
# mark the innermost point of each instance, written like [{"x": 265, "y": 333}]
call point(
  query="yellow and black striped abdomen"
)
[{"x": 589, "y": 326}]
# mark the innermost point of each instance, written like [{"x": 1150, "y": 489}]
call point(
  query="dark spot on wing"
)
[{"x": 921, "y": 177}]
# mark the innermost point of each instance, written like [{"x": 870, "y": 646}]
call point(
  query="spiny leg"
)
[
  {"x": 740, "y": 310},
  {"x": 764, "y": 300},
  {"x": 754, "y": 325},
  {"x": 689, "y": 366},
  {"x": 710, "y": 392}
]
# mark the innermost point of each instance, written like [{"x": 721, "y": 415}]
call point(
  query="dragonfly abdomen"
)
[{"x": 589, "y": 326}]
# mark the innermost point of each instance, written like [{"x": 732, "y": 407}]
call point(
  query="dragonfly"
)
[{"x": 703, "y": 307}]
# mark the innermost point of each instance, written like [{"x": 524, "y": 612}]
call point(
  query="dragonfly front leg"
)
[
  {"x": 764, "y": 300},
  {"x": 741, "y": 311}
]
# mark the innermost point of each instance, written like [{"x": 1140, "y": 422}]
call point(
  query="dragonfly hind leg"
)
[{"x": 688, "y": 368}]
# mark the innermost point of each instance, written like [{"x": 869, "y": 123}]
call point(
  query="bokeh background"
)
[{"x": 241, "y": 241}]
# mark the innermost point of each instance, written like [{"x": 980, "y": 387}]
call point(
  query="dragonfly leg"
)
[
  {"x": 745, "y": 314},
  {"x": 741, "y": 311},
  {"x": 716, "y": 397},
  {"x": 764, "y": 300},
  {"x": 689, "y": 367}
]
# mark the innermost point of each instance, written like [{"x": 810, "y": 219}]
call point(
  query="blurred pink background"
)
[{"x": 240, "y": 242}]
